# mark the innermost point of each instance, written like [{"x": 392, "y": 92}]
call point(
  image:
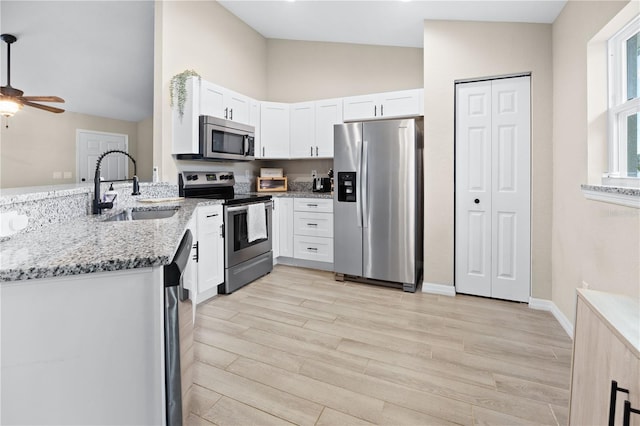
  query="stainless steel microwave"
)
[{"x": 222, "y": 139}]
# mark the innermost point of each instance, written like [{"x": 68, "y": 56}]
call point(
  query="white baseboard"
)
[
  {"x": 548, "y": 305},
  {"x": 445, "y": 290}
]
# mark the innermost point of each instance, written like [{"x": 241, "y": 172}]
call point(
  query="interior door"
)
[
  {"x": 493, "y": 175},
  {"x": 90, "y": 145},
  {"x": 473, "y": 189}
]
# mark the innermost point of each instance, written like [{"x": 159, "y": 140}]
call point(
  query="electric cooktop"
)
[{"x": 214, "y": 185}]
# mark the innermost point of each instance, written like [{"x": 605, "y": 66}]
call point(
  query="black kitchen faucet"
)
[{"x": 97, "y": 204}]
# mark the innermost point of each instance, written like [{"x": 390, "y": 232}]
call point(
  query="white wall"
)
[
  {"x": 305, "y": 70},
  {"x": 593, "y": 242},
  {"x": 455, "y": 50},
  {"x": 205, "y": 37},
  {"x": 38, "y": 143}
]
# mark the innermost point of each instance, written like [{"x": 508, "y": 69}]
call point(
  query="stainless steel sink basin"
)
[{"x": 142, "y": 215}]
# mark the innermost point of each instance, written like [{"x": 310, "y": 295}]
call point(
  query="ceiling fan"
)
[{"x": 11, "y": 99}]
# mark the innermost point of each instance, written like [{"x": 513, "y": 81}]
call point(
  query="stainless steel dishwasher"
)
[{"x": 172, "y": 296}]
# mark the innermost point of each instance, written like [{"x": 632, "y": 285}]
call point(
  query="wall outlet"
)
[
  {"x": 57, "y": 175},
  {"x": 314, "y": 174}
]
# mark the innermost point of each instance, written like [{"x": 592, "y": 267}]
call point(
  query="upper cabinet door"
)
[
  {"x": 328, "y": 114},
  {"x": 254, "y": 120},
  {"x": 219, "y": 102},
  {"x": 302, "y": 138},
  {"x": 360, "y": 107},
  {"x": 237, "y": 107},
  {"x": 403, "y": 103},
  {"x": 274, "y": 130},
  {"x": 212, "y": 99}
]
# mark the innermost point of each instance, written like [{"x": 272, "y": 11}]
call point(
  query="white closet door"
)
[
  {"x": 511, "y": 183},
  {"x": 473, "y": 189},
  {"x": 492, "y": 243}
]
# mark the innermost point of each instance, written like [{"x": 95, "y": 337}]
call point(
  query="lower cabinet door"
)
[
  {"x": 210, "y": 251},
  {"x": 318, "y": 249}
]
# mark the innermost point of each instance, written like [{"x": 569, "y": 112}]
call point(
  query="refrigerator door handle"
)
[
  {"x": 364, "y": 184},
  {"x": 358, "y": 183}
]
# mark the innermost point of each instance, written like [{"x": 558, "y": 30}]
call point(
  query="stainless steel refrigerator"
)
[{"x": 378, "y": 202}]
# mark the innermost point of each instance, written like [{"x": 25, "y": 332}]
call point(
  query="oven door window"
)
[
  {"x": 240, "y": 239},
  {"x": 227, "y": 143}
]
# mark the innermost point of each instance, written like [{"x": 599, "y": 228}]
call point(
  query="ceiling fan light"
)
[{"x": 8, "y": 108}]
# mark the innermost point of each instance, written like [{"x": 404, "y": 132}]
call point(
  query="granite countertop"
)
[
  {"x": 295, "y": 194},
  {"x": 88, "y": 244}
]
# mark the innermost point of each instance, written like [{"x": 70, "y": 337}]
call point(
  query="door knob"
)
[{"x": 477, "y": 201}]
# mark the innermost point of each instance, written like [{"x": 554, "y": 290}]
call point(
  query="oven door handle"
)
[{"x": 267, "y": 204}]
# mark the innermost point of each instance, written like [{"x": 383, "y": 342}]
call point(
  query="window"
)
[{"x": 624, "y": 102}]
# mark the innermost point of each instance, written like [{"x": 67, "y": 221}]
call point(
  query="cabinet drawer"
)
[
  {"x": 313, "y": 224},
  {"x": 313, "y": 248},
  {"x": 324, "y": 205}
]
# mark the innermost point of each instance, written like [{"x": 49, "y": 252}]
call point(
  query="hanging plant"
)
[{"x": 178, "y": 89}]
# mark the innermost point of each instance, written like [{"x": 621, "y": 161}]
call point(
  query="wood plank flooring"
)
[{"x": 297, "y": 347}]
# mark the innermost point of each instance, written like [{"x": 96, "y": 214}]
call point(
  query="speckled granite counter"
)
[
  {"x": 295, "y": 194},
  {"x": 88, "y": 244}
]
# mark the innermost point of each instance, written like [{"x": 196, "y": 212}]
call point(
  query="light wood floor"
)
[{"x": 297, "y": 347}]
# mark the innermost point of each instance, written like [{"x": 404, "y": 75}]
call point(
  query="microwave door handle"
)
[{"x": 246, "y": 145}]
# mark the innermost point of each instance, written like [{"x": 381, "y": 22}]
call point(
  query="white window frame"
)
[{"x": 619, "y": 107}]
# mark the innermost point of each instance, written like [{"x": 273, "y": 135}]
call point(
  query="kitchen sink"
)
[{"x": 130, "y": 214}]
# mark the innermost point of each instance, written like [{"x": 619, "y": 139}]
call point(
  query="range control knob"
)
[
  {"x": 188, "y": 177},
  {"x": 194, "y": 177}
]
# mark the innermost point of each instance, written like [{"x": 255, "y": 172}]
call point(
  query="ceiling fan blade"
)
[
  {"x": 42, "y": 99},
  {"x": 44, "y": 107}
]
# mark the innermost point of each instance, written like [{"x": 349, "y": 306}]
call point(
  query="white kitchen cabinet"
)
[
  {"x": 313, "y": 224},
  {"x": 402, "y": 103},
  {"x": 285, "y": 226},
  {"x": 321, "y": 205},
  {"x": 185, "y": 129},
  {"x": 275, "y": 229},
  {"x": 254, "y": 120},
  {"x": 312, "y": 128},
  {"x": 316, "y": 249},
  {"x": 190, "y": 274},
  {"x": 328, "y": 114},
  {"x": 303, "y": 135},
  {"x": 274, "y": 130},
  {"x": 210, "y": 251},
  {"x": 313, "y": 229},
  {"x": 220, "y": 102},
  {"x": 206, "y": 98}
]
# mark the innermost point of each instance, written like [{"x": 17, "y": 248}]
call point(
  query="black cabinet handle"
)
[
  {"x": 226, "y": 112},
  {"x": 231, "y": 114},
  {"x": 316, "y": 151},
  {"x": 197, "y": 255},
  {"x": 381, "y": 110},
  {"x": 311, "y": 151},
  {"x": 212, "y": 215},
  {"x": 375, "y": 110},
  {"x": 612, "y": 402},
  {"x": 312, "y": 248},
  {"x": 626, "y": 419},
  {"x": 312, "y": 224}
]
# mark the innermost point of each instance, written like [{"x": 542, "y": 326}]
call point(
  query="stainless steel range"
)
[{"x": 245, "y": 259}]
